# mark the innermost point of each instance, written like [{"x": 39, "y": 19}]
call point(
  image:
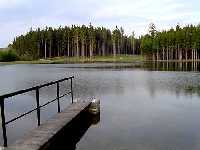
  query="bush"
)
[{"x": 8, "y": 55}]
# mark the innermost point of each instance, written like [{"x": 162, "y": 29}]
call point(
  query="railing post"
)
[
  {"x": 58, "y": 97},
  {"x": 38, "y": 105},
  {"x": 3, "y": 122},
  {"x": 72, "y": 91}
]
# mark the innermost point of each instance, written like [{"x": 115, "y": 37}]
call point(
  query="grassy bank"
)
[{"x": 95, "y": 59}]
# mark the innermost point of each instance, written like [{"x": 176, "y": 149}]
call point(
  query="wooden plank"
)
[{"x": 39, "y": 137}]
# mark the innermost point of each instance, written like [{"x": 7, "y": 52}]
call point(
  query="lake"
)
[{"x": 143, "y": 106}]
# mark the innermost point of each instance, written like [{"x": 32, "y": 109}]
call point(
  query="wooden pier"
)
[
  {"x": 48, "y": 135},
  {"x": 42, "y": 137}
]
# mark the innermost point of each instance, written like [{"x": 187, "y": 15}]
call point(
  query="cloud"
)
[
  {"x": 17, "y": 16},
  {"x": 6, "y": 4}
]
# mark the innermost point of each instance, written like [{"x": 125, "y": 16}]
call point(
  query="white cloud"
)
[
  {"x": 131, "y": 14},
  {"x": 11, "y": 3},
  {"x": 165, "y": 13}
]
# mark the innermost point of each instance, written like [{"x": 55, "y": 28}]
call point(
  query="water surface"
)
[{"x": 153, "y": 107}]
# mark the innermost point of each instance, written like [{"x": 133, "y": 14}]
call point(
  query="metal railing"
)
[{"x": 38, "y": 106}]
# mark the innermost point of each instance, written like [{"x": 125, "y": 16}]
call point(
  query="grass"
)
[{"x": 95, "y": 59}]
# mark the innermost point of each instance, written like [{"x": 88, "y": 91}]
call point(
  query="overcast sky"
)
[{"x": 17, "y": 16}]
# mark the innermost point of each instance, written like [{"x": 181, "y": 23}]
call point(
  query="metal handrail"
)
[
  {"x": 36, "y": 89},
  {"x": 33, "y": 88}
]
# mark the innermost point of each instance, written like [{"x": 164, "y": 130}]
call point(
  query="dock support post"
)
[
  {"x": 38, "y": 105},
  {"x": 58, "y": 97},
  {"x": 3, "y": 122},
  {"x": 72, "y": 91}
]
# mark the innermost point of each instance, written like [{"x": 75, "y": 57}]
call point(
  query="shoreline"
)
[
  {"x": 97, "y": 59},
  {"x": 81, "y": 60}
]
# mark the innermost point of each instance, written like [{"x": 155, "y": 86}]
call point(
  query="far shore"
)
[
  {"x": 95, "y": 59},
  {"x": 72, "y": 60}
]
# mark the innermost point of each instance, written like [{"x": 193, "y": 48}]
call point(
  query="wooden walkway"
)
[{"x": 41, "y": 137}]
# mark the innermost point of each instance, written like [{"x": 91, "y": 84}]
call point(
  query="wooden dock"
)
[{"x": 44, "y": 135}]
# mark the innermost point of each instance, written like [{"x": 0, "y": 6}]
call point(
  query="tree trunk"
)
[
  {"x": 83, "y": 49},
  {"x": 103, "y": 48},
  {"x": 91, "y": 49},
  {"x": 68, "y": 54},
  {"x": 58, "y": 51},
  {"x": 167, "y": 53},
  {"x": 133, "y": 47},
  {"x": 163, "y": 51},
  {"x": 118, "y": 49},
  {"x": 195, "y": 54},
  {"x": 114, "y": 49},
  {"x": 186, "y": 54},
  {"x": 50, "y": 48},
  {"x": 45, "y": 50},
  {"x": 38, "y": 52},
  {"x": 77, "y": 47},
  {"x": 154, "y": 57},
  {"x": 157, "y": 57},
  {"x": 192, "y": 55},
  {"x": 180, "y": 54}
]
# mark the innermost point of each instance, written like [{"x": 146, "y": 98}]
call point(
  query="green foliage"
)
[
  {"x": 152, "y": 29},
  {"x": 8, "y": 55},
  {"x": 86, "y": 41},
  {"x": 178, "y": 39},
  {"x": 147, "y": 44}
]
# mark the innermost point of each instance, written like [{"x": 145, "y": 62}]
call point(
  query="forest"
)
[
  {"x": 179, "y": 43},
  {"x": 174, "y": 44},
  {"x": 79, "y": 41}
]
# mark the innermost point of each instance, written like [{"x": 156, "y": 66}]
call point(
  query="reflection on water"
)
[
  {"x": 155, "y": 66},
  {"x": 71, "y": 135},
  {"x": 173, "y": 66},
  {"x": 143, "y": 105}
]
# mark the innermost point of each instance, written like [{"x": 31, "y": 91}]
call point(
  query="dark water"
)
[{"x": 143, "y": 106}]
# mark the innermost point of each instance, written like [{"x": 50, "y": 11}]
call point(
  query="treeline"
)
[
  {"x": 79, "y": 41},
  {"x": 174, "y": 44}
]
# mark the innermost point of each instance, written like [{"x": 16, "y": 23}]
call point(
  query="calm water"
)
[{"x": 148, "y": 107}]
